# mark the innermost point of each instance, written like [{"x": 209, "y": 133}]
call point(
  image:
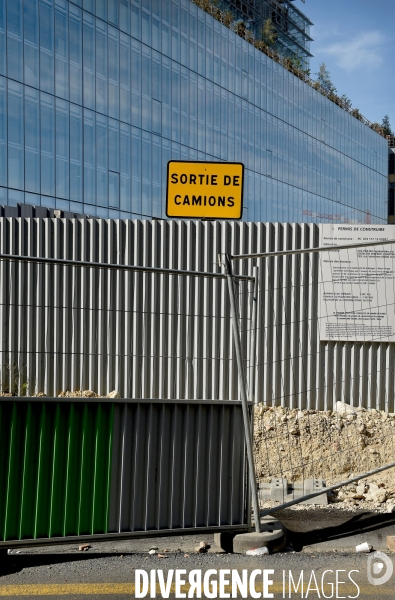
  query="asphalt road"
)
[{"x": 107, "y": 570}]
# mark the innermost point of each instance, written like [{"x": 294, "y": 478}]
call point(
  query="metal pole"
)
[
  {"x": 316, "y": 249},
  {"x": 243, "y": 390},
  {"x": 115, "y": 266},
  {"x": 254, "y": 318},
  {"x": 325, "y": 490},
  {"x": 251, "y": 372}
]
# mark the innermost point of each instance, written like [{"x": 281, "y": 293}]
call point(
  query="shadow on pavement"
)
[
  {"x": 14, "y": 563},
  {"x": 364, "y": 523}
]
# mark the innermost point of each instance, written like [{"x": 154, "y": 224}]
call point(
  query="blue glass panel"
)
[
  {"x": 125, "y": 203},
  {"x": 124, "y": 16},
  {"x": 89, "y": 5},
  {"x": 146, "y": 72},
  {"x": 31, "y": 58},
  {"x": 89, "y": 61},
  {"x": 165, "y": 39},
  {"x": 62, "y": 204},
  {"x": 76, "y": 152},
  {"x": 32, "y": 140},
  {"x": 101, "y": 9},
  {"x": 46, "y": 47},
  {"x": 75, "y": 36},
  {"x": 15, "y": 136},
  {"x": 61, "y": 33},
  {"x": 33, "y": 199},
  {"x": 61, "y": 54},
  {"x": 89, "y": 158},
  {"x": 113, "y": 145},
  {"x": 14, "y": 39},
  {"x": 146, "y": 28},
  {"x": 113, "y": 189},
  {"x": 62, "y": 149},
  {"x": 157, "y": 117},
  {"x": 102, "y": 213},
  {"x": 113, "y": 72},
  {"x": 146, "y": 174},
  {"x": 46, "y": 25},
  {"x": 156, "y": 34},
  {"x": 3, "y": 132},
  {"x": 15, "y": 197},
  {"x": 135, "y": 21},
  {"x": 31, "y": 22},
  {"x": 136, "y": 66},
  {"x": 14, "y": 17},
  {"x": 136, "y": 171},
  {"x": 101, "y": 68},
  {"x": 2, "y": 15},
  {"x": 47, "y": 145},
  {"x": 2, "y": 39},
  {"x": 101, "y": 160},
  {"x": 124, "y": 74}
]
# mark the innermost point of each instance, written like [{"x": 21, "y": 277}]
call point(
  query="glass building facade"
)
[
  {"x": 291, "y": 26},
  {"x": 96, "y": 96}
]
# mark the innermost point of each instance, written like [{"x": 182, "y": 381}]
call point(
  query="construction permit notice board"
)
[{"x": 357, "y": 285}]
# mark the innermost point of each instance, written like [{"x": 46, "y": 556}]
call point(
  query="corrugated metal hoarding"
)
[
  {"x": 155, "y": 336},
  {"x": 77, "y": 468}
]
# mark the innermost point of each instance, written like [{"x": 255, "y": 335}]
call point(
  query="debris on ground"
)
[
  {"x": 84, "y": 547},
  {"x": 328, "y": 445},
  {"x": 152, "y": 551},
  {"x": 258, "y": 551},
  {"x": 364, "y": 547},
  {"x": 203, "y": 547},
  {"x": 78, "y": 394}
]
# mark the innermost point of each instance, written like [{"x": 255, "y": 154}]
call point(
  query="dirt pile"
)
[{"x": 331, "y": 446}]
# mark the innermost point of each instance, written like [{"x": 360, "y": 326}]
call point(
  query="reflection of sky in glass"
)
[{"x": 91, "y": 117}]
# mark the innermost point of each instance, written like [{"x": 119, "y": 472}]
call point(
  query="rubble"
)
[
  {"x": 258, "y": 551},
  {"x": 84, "y": 547},
  {"x": 78, "y": 394},
  {"x": 203, "y": 547},
  {"x": 330, "y": 445}
]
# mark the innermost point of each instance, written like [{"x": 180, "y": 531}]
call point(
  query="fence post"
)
[
  {"x": 243, "y": 389},
  {"x": 254, "y": 317}
]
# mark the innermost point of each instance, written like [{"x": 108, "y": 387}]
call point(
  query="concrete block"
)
[
  {"x": 272, "y": 536},
  {"x": 281, "y": 491}
]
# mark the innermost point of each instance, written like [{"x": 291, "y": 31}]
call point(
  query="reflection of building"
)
[
  {"x": 291, "y": 26},
  {"x": 96, "y": 97},
  {"x": 391, "y": 178}
]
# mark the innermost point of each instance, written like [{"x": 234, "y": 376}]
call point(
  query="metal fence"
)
[
  {"x": 89, "y": 468},
  {"x": 75, "y": 329},
  {"x": 339, "y": 299},
  {"x": 79, "y": 466},
  {"x": 146, "y": 335},
  {"x": 75, "y": 314}
]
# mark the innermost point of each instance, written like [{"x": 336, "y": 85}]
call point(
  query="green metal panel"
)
[
  {"x": 55, "y": 461},
  {"x": 58, "y": 491}
]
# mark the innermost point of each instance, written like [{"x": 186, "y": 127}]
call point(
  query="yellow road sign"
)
[{"x": 198, "y": 190}]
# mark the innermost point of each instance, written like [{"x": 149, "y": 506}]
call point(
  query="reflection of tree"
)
[
  {"x": 292, "y": 63},
  {"x": 269, "y": 34}
]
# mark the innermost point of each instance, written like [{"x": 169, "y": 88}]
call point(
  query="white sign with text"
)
[{"x": 357, "y": 286}]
